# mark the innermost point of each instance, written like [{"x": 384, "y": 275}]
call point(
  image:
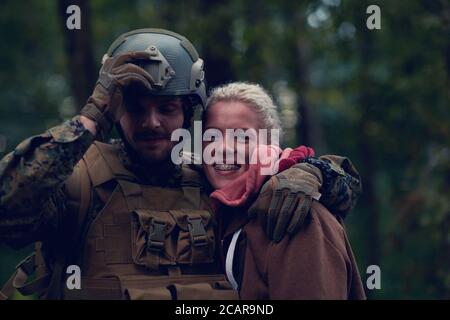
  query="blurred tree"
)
[
  {"x": 297, "y": 53},
  {"x": 79, "y": 51},
  {"x": 367, "y": 102},
  {"x": 216, "y": 47}
]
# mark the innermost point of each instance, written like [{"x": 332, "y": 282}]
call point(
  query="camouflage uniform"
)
[
  {"x": 32, "y": 189},
  {"x": 32, "y": 197}
]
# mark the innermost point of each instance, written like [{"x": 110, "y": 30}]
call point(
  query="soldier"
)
[{"x": 138, "y": 226}]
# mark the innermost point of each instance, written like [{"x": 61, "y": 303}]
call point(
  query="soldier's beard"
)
[
  {"x": 148, "y": 149},
  {"x": 153, "y": 153},
  {"x": 153, "y": 157}
]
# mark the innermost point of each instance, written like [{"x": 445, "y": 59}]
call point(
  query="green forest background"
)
[{"x": 381, "y": 97}]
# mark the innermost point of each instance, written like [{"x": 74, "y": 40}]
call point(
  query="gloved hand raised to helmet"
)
[{"x": 105, "y": 105}]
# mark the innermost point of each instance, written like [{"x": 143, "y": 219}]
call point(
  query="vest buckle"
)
[
  {"x": 156, "y": 236},
  {"x": 197, "y": 232}
]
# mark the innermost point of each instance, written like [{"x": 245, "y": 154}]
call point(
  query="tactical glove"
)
[
  {"x": 285, "y": 200},
  {"x": 105, "y": 105},
  {"x": 283, "y": 207},
  {"x": 341, "y": 183}
]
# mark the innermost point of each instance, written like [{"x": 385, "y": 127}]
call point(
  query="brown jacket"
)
[{"x": 316, "y": 263}]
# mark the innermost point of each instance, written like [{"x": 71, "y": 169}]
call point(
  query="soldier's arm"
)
[
  {"x": 32, "y": 176},
  {"x": 341, "y": 186},
  {"x": 286, "y": 202}
]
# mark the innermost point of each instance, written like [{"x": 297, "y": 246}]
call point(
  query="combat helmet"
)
[{"x": 174, "y": 64}]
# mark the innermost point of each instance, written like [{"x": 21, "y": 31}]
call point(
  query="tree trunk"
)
[
  {"x": 367, "y": 103},
  {"x": 217, "y": 51},
  {"x": 79, "y": 51},
  {"x": 309, "y": 131}
]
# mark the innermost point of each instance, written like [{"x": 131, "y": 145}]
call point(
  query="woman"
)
[{"x": 315, "y": 263}]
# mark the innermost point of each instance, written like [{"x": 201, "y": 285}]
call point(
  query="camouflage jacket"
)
[
  {"x": 32, "y": 196},
  {"x": 32, "y": 189}
]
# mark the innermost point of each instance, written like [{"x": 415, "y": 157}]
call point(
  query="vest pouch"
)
[
  {"x": 196, "y": 236},
  {"x": 220, "y": 290},
  {"x": 191, "y": 287},
  {"x": 153, "y": 237},
  {"x": 163, "y": 238},
  {"x": 159, "y": 293}
]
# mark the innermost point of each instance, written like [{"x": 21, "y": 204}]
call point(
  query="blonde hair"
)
[{"x": 253, "y": 95}]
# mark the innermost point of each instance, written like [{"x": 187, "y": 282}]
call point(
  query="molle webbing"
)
[{"x": 162, "y": 236}]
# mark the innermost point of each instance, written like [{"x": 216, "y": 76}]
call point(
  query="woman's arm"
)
[{"x": 316, "y": 263}]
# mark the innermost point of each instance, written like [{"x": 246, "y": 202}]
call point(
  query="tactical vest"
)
[{"x": 146, "y": 242}]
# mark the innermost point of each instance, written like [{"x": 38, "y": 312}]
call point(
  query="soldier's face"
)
[{"x": 148, "y": 125}]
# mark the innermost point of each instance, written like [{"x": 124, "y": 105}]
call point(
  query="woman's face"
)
[{"x": 222, "y": 116}]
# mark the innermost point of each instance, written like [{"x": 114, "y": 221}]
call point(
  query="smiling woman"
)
[
  {"x": 222, "y": 116},
  {"x": 316, "y": 262},
  {"x": 237, "y": 106}
]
